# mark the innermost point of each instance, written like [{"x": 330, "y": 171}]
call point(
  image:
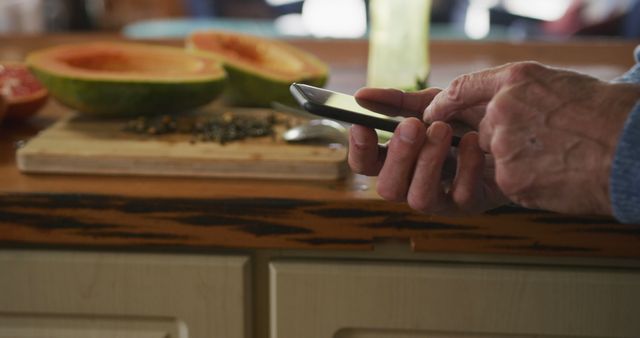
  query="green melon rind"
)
[
  {"x": 106, "y": 98},
  {"x": 248, "y": 87},
  {"x": 252, "y": 89}
]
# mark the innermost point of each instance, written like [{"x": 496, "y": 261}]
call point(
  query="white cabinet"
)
[
  {"x": 325, "y": 299},
  {"x": 49, "y": 294}
]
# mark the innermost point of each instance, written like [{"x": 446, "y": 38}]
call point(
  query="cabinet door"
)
[
  {"x": 110, "y": 295},
  {"x": 369, "y": 300}
]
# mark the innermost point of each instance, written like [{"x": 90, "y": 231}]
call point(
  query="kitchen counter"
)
[{"x": 135, "y": 212}]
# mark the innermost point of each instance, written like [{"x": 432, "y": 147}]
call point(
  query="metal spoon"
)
[
  {"x": 319, "y": 130},
  {"x": 315, "y": 130}
]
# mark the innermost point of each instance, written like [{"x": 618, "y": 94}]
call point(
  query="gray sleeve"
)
[
  {"x": 633, "y": 75},
  {"x": 624, "y": 182},
  {"x": 625, "y": 172}
]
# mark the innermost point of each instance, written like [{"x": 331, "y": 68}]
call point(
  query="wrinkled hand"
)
[
  {"x": 552, "y": 132},
  {"x": 419, "y": 166}
]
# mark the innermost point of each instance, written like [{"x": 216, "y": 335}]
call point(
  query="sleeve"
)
[
  {"x": 624, "y": 181},
  {"x": 633, "y": 75},
  {"x": 625, "y": 172}
]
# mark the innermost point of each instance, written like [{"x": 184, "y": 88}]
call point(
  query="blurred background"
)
[{"x": 450, "y": 19}]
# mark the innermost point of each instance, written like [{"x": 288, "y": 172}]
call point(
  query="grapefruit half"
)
[{"x": 23, "y": 93}]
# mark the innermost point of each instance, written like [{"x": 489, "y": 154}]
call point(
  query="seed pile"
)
[{"x": 221, "y": 128}]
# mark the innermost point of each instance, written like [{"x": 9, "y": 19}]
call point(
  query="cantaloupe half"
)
[
  {"x": 259, "y": 70},
  {"x": 127, "y": 79}
]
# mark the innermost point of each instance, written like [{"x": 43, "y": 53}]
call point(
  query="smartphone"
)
[{"x": 346, "y": 108}]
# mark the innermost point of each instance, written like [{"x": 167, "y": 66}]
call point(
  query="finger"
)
[
  {"x": 466, "y": 189},
  {"x": 426, "y": 192},
  {"x": 365, "y": 156},
  {"x": 408, "y": 103},
  {"x": 471, "y": 117},
  {"x": 478, "y": 88},
  {"x": 403, "y": 149},
  {"x": 464, "y": 92}
]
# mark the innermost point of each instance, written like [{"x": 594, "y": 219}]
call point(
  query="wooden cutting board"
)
[{"x": 81, "y": 145}]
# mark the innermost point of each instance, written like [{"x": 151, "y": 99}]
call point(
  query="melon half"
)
[
  {"x": 260, "y": 70},
  {"x": 127, "y": 79}
]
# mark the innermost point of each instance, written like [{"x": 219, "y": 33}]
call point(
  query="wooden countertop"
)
[{"x": 180, "y": 213}]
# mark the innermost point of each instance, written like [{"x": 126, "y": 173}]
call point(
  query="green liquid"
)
[{"x": 398, "y": 44}]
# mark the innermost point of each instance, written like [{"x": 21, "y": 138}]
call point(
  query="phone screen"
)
[
  {"x": 348, "y": 102},
  {"x": 347, "y": 108}
]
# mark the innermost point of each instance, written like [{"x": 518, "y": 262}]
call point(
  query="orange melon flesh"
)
[
  {"x": 123, "y": 79},
  {"x": 126, "y": 61}
]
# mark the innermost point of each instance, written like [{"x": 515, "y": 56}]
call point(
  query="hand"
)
[
  {"x": 552, "y": 132},
  {"x": 418, "y": 165}
]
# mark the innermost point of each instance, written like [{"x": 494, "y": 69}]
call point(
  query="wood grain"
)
[
  {"x": 60, "y": 220},
  {"x": 82, "y": 145}
]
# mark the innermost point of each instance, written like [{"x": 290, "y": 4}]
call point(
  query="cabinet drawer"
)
[
  {"x": 405, "y": 300},
  {"x": 82, "y": 294}
]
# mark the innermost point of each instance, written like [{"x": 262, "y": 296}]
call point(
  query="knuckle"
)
[
  {"x": 522, "y": 71},
  {"x": 499, "y": 109},
  {"x": 455, "y": 90},
  {"x": 501, "y": 148}
]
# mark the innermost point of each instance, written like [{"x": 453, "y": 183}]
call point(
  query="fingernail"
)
[
  {"x": 427, "y": 110},
  {"x": 437, "y": 132},
  {"x": 426, "y": 114},
  {"x": 408, "y": 131}
]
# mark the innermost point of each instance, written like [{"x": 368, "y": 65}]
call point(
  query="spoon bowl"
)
[{"x": 317, "y": 131}]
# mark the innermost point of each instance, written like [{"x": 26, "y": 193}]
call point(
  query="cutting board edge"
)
[{"x": 64, "y": 164}]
